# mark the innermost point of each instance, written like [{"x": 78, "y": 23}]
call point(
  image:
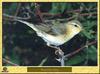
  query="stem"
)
[
  {"x": 11, "y": 18},
  {"x": 38, "y": 12},
  {"x": 62, "y": 61},
  {"x": 78, "y": 10},
  {"x": 9, "y": 62},
  {"x": 78, "y": 50},
  {"x": 18, "y": 8}
]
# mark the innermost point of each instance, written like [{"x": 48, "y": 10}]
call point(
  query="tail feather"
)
[{"x": 29, "y": 24}]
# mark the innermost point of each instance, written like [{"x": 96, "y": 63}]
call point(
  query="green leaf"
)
[
  {"x": 75, "y": 60},
  {"x": 58, "y": 8},
  {"x": 14, "y": 59},
  {"x": 89, "y": 25},
  {"x": 63, "y": 7},
  {"x": 92, "y": 53},
  {"x": 87, "y": 34},
  {"x": 11, "y": 9}
]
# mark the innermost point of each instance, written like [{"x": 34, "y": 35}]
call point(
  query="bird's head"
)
[{"x": 73, "y": 27}]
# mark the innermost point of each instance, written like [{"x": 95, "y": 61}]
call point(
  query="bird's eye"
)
[{"x": 75, "y": 25}]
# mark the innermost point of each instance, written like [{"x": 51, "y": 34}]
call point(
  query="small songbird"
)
[{"x": 54, "y": 33}]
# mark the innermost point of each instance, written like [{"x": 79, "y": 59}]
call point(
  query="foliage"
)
[{"x": 22, "y": 46}]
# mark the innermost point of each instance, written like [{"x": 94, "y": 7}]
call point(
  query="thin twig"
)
[
  {"x": 62, "y": 56},
  {"x": 9, "y": 62},
  {"x": 50, "y": 14},
  {"x": 17, "y": 10},
  {"x": 70, "y": 18},
  {"x": 78, "y": 50},
  {"x": 85, "y": 14},
  {"x": 6, "y": 16},
  {"x": 38, "y": 12},
  {"x": 11, "y": 18},
  {"x": 62, "y": 61},
  {"x": 43, "y": 61},
  {"x": 77, "y": 10}
]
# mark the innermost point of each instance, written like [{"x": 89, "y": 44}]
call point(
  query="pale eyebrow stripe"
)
[{"x": 74, "y": 24}]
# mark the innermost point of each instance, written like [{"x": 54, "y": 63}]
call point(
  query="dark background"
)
[{"x": 23, "y": 47}]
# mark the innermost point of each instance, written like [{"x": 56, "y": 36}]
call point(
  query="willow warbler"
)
[{"x": 56, "y": 33}]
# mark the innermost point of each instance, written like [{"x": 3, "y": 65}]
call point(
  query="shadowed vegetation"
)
[{"x": 21, "y": 45}]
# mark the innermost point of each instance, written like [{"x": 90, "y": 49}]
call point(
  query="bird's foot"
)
[{"x": 59, "y": 52}]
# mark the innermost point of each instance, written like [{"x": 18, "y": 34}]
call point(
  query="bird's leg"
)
[
  {"x": 52, "y": 46},
  {"x": 59, "y": 53},
  {"x": 58, "y": 50}
]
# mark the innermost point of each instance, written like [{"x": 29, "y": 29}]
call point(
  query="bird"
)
[{"x": 55, "y": 33}]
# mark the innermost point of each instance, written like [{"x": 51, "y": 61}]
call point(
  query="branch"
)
[
  {"x": 50, "y": 14},
  {"x": 77, "y": 10},
  {"x": 9, "y": 62},
  {"x": 85, "y": 14},
  {"x": 61, "y": 55},
  {"x": 78, "y": 50},
  {"x": 43, "y": 61},
  {"x": 38, "y": 12},
  {"x": 11, "y": 18},
  {"x": 17, "y": 10}
]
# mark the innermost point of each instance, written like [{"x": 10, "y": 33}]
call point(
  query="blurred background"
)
[{"x": 22, "y": 47}]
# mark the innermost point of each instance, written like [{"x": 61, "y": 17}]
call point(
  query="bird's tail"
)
[{"x": 28, "y": 24}]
